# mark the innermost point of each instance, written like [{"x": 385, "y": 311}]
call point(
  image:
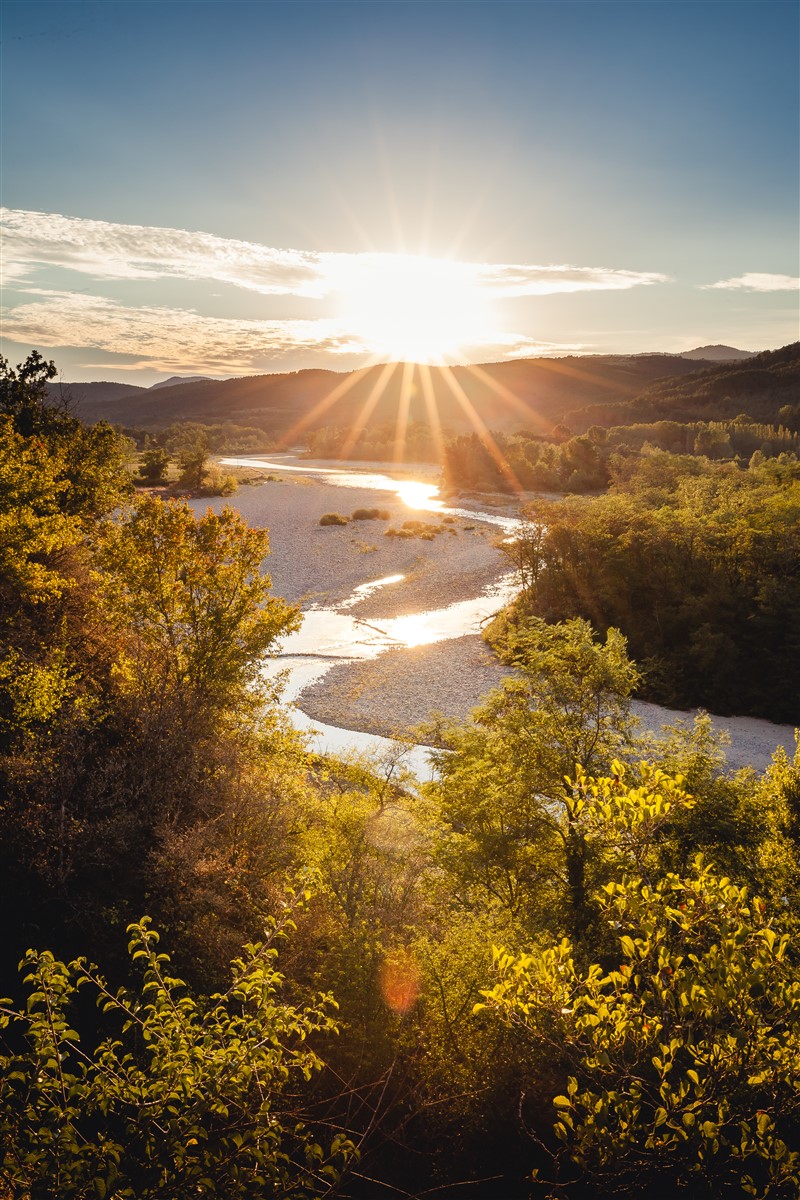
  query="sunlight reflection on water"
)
[
  {"x": 329, "y": 636},
  {"x": 415, "y": 494}
]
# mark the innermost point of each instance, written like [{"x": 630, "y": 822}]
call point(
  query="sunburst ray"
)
[
  {"x": 432, "y": 407},
  {"x": 368, "y": 407},
  {"x": 481, "y": 428},
  {"x": 403, "y": 404}
]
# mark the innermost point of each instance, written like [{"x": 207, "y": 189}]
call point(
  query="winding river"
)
[{"x": 330, "y": 636}]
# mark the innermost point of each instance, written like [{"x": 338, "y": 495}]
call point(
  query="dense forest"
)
[
  {"x": 697, "y": 562},
  {"x": 759, "y": 386},
  {"x": 567, "y": 966},
  {"x": 379, "y": 442}
]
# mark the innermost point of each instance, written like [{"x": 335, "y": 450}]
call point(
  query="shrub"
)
[
  {"x": 370, "y": 514},
  {"x": 333, "y": 519},
  {"x": 680, "y": 1052},
  {"x": 216, "y": 483},
  {"x": 186, "y": 1096},
  {"x": 420, "y": 529}
]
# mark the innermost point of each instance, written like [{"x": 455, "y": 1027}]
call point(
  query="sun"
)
[{"x": 413, "y": 309}]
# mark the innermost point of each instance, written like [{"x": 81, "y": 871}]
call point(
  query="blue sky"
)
[{"x": 635, "y": 163}]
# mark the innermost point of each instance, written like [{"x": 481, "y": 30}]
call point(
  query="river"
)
[{"x": 332, "y": 634}]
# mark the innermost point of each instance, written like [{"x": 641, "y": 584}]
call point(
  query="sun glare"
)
[
  {"x": 411, "y": 308},
  {"x": 419, "y": 495}
]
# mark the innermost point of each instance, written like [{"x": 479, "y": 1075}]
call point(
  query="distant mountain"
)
[
  {"x": 175, "y": 380},
  {"x": 758, "y": 387},
  {"x": 89, "y": 396},
  {"x": 521, "y": 393},
  {"x": 530, "y": 394},
  {"x": 717, "y": 353}
]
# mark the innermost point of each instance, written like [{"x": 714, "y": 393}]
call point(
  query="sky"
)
[{"x": 246, "y": 187}]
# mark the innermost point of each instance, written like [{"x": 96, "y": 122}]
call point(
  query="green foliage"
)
[
  {"x": 145, "y": 766},
  {"x": 23, "y": 396},
  {"x": 34, "y": 522},
  {"x": 697, "y": 563},
  {"x": 192, "y": 450},
  {"x": 507, "y": 808},
  {"x": 193, "y": 594},
  {"x": 57, "y": 480},
  {"x": 506, "y": 463},
  {"x": 154, "y": 464},
  {"x": 136, "y": 740},
  {"x": 377, "y": 442},
  {"x": 682, "y": 1059},
  {"x": 217, "y": 483},
  {"x": 184, "y": 1095}
]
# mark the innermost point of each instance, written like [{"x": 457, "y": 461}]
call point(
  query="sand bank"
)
[
  {"x": 391, "y": 695},
  {"x": 322, "y": 565}
]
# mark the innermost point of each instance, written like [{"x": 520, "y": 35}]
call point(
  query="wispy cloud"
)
[
  {"x": 103, "y": 250},
  {"x": 182, "y": 341},
  {"x": 756, "y": 281},
  {"x": 372, "y": 303},
  {"x": 522, "y": 280},
  {"x": 170, "y": 339}
]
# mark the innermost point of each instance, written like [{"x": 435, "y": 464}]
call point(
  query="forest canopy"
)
[{"x": 697, "y": 563}]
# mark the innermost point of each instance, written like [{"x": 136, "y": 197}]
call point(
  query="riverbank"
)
[
  {"x": 326, "y": 567},
  {"x": 319, "y": 565},
  {"x": 393, "y": 694}
]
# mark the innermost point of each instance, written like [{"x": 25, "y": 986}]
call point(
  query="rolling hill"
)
[
  {"x": 531, "y": 393},
  {"x": 757, "y": 386}
]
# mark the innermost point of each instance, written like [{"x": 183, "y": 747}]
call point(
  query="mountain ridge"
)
[{"x": 533, "y": 394}]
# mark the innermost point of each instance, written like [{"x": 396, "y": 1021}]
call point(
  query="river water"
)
[
  {"x": 330, "y": 636},
  {"x": 334, "y": 635}
]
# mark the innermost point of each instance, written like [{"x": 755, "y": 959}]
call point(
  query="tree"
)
[
  {"x": 191, "y": 591},
  {"x": 681, "y": 1058},
  {"x": 697, "y": 563},
  {"x": 155, "y": 462},
  {"x": 23, "y": 395},
  {"x": 184, "y": 1095},
  {"x": 504, "y": 806},
  {"x": 193, "y": 459}
]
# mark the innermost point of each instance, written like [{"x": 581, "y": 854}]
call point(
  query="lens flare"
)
[{"x": 400, "y": 981}]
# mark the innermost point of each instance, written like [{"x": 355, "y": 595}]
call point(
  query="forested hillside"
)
[
  {"x": 504, "y": 395},
  {"x": 697, "y": 563},
  {"x": 568, "y": 963},
  {"x": 759, "y": 387}
]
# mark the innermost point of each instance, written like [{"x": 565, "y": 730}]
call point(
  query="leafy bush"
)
[
  {"x": 333, "y": 519},
  {"x": 420, "y": 529},
  {"x": 682, "y": 1057},
  {"x": 184, "y": 1096},
  {"x": 216, "y": 483}
]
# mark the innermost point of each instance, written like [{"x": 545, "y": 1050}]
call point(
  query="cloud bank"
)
[
  {"x": 102, "y": 250},
  {"x": 175, "y": 340},
  {"x": 354, "y": 287}
]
